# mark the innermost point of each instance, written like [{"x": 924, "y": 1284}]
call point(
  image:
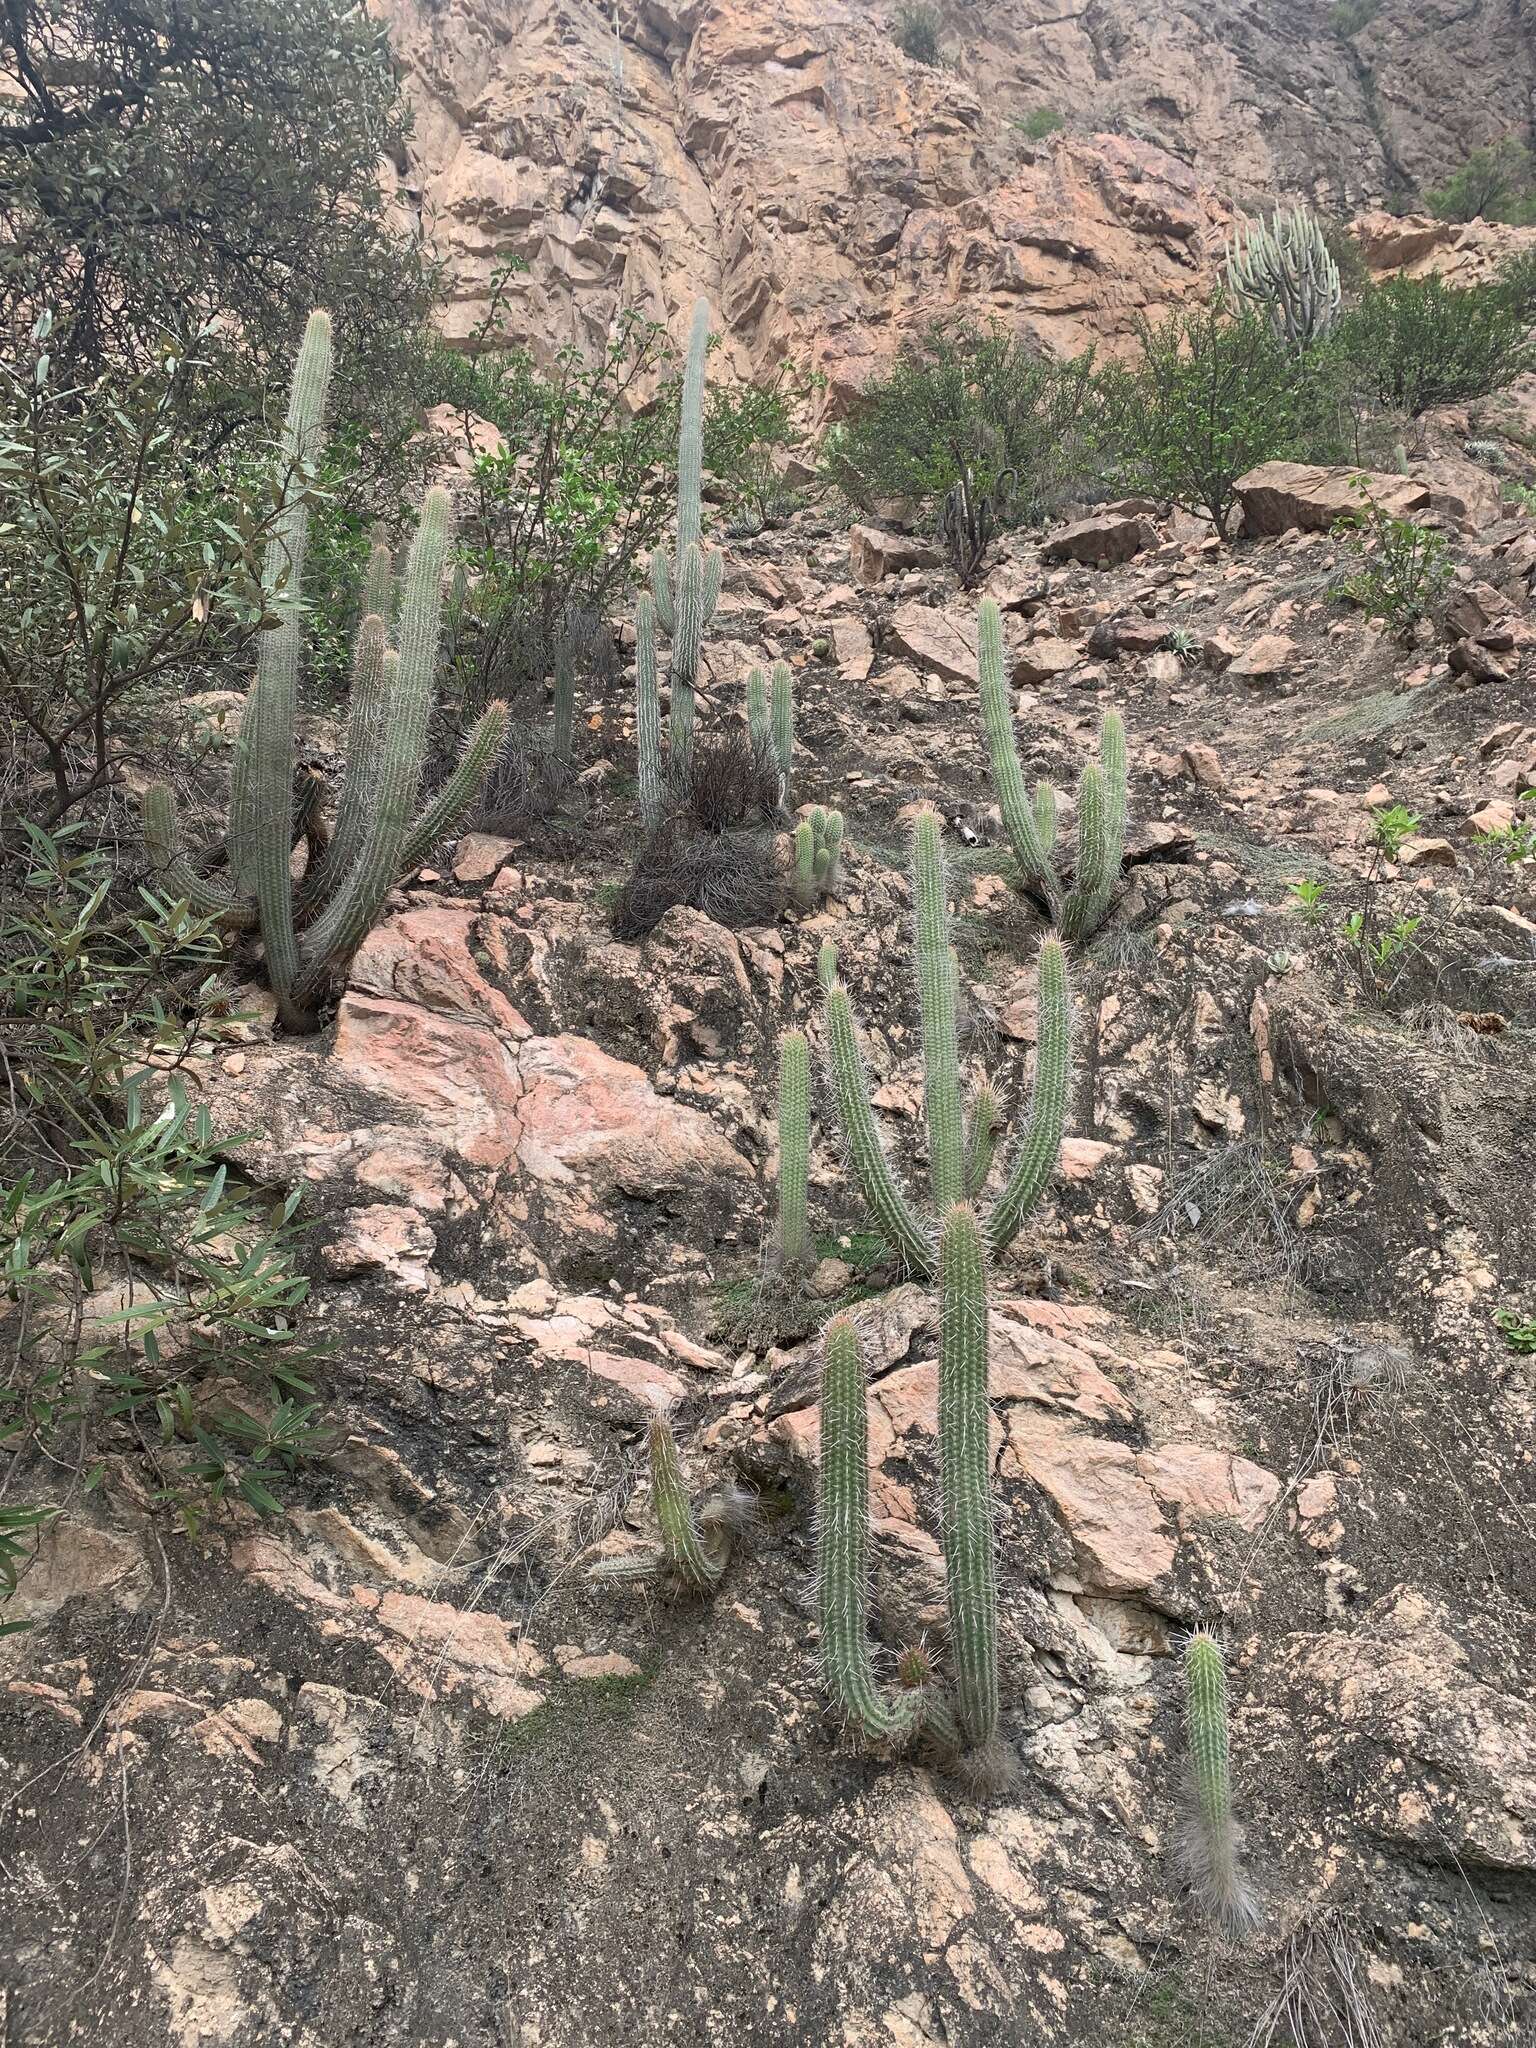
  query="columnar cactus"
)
[
  {"x": 1286, "y": 273},
  {"x": 772, "y": 724},
  {"x": 965, "y": 1467},
  {"x": 311, "y": 930},
  {"x": 794, "y": 1241},
  {"x": 958, "y": 1162},
  {"x": 1078, "y": 910},
  {"x": 843, "y": 1564},
  {"x": 1210, "y": 1844},
  {"x": 686, "y": 592},
  {"x": 818, "y": 844}
]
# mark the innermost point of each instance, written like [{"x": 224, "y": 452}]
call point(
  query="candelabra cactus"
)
[
  {"x": 1077, "y": 911},
  {"x": 685, "y": 592},
  {"x": 1210, "y": 1842},
  {"x": 959, "y": 1160},
  {"x": 1287, "y": 273},
  {"x": 310, "y": 930},
  {"x": 818, "y": 844},
  {"x": 794, "y": 1242}
]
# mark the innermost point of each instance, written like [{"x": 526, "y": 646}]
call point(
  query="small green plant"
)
[
  {"x": 1286, "y": 273},
  {"x": 1309, "y": 895},
  {"x": 1517, "y": 842},
  {"x": 1519, "y": 1331},
  {"x": 1078, "y": 910},
  {"x": 1520, "y": 495},
  {"x": 1210, "y": 1842},
  {"x": 1183, "y": 643},
  {"x": 1042, "y": 122},
  {"x": 915, "y": 32},
  {"x": 1382, "y": 950},
  {"x": 1403, "y": 570},
  {"x": 1348, "y": 17},
  {"x": 1391, "y": 825}
]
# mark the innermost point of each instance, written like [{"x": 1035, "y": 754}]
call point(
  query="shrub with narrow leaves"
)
[
  {"x": 1079, "y": 908},
  {"x": 310, "y": 930}
]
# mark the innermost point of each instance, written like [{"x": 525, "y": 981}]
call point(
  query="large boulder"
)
[{"x": 1281, "y": 497}]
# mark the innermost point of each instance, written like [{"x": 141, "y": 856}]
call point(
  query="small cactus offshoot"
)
[
  {"x": 1077, "y": 910},
  {"x": 696, "y": 1545},
  {"x": 1210, "y": 1841}
]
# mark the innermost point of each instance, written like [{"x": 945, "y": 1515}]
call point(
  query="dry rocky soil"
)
[{"x": 398, "y": 1768}]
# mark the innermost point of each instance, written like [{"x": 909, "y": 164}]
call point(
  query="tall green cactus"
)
[
  {"x": 311, "y": 930},
  {"x": 1080, "y": 909},
  {"x": 1210, "y": 1843},
  {"x": 771, "y": 723},
  {"x": 954, "y": 1157},
  {"x": 842, "y": 1544},
  {"x": 686, "y": 593},
  {"x": 794, "y": 1239},
  {"x": 1286, "y": 273},
  {"x": 965, "y": 1472}
]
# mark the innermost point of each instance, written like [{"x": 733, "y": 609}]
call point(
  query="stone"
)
[
  {"x": 1202, "y": 764},
  {"x": 1278, "y": 497},
  {"x": 1105, "y": 540},
  {"x": 1419, "y": 852},
  {"x": 935, "y": 640},
  {"x": 1474, "y": 662},
  {"x": 853, "y": 649},
  {"x": 1272, "y": 654},
  {"x": 876, "y": 554},
  {"x": 478, "y": 856},
  {"x": 1039, "y": 661}
]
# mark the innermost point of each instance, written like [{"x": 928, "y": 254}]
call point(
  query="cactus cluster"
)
[
  {"x": 1210, "y": 1843},
  {"x": 682, "y": 600},
  {"x": 818, "y": 843},
  {"x": 1286, "y": 273},
  {"x": 1079, "y": 908},
  {"x": 960, "y": 1149},
  {"x": 311, "y": 928}
]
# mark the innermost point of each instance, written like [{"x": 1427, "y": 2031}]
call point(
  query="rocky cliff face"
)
[{"x": 827, "y": 191}]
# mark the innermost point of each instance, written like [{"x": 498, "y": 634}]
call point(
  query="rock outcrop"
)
[{"x": 829, "y": 193}]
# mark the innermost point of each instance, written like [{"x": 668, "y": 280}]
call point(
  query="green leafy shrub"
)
[
  {"x": 915, "y": 32},
  {"x": 1210, "y": 398},
  {"x": 1042, "y": 122},
  {"x": 161, "y": 165},
  {"x": 1495, "y": 183},
  {"x": 974, "y": 405},
  {"x": 747, "y": 429},
  {"x": 1419, "y": 342},
  {"x": 129, "y": 578},
  {"x": 1348, "y": 17},
  {"x": 1402, "y": 571},
  {"x": 154, "y": 1294}
]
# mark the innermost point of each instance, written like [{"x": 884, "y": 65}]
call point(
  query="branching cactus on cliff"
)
[
  {"x": 960, "y": 1150},
  {"x": 1078, "y": 909},
  {"x": 684, "y": 592},
  {"x": 1286, "y": 273},
  {"x": 1209, "y": 1840},
  {"x": 310, "y": 930}
]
